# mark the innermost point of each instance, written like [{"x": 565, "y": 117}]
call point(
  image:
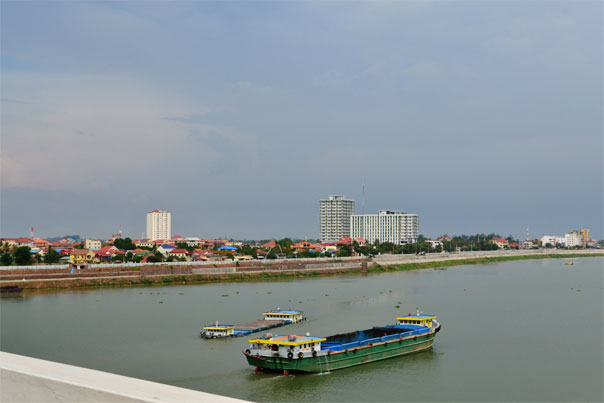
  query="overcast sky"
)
[{"x": 238, "y": 117}]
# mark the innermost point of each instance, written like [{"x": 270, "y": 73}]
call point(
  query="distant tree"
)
[
  {"x": 128, "y": 257},
  {"x": 344, "y": 251},
  {"x": 421, "y": 238},
  {"x": 184, "y": 245},
  {"x": 6, "y": 259},
  {"x": 52, "y": 256},
  {"x": 248, "y": 250},
  {"x": 118, "y": 257},
  {"x": 155, "y": 258},
  {"x": 124, "y": 244},
  {"x": 22, "y": 256},
  {"x": 549, "y": 245},
  {"x": 285, "y": 243}
]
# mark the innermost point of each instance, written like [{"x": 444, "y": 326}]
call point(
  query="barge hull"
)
[{"x": 345, "y": 359}]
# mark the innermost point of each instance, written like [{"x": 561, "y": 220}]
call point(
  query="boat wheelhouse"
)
[
  {"x": 287, "y": 346},
  {"x": 418, "y": 319},
  {"x": 286, "y": 353},
  {"x": 217, "y": 330},
  {"x": 289, "y": 315}
]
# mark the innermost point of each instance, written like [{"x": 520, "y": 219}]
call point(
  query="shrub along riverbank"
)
[{"x": 161, "y": 280}]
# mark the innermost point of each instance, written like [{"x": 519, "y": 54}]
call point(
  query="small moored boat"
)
[
  {"x": 10, "y": 289},
  {"x": 291, "y": 353},
  {"x": 273, "y": 318}
]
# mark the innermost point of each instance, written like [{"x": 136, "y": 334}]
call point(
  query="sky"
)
[{"x": 238, "y": 117}]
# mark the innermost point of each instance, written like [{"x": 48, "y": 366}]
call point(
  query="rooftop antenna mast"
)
[
  {"x": 31, "y": 233},
  {"x": 363, "y": 199},
  {"x": 527, "y": 233},
  {"x": 120, "y": 230}
]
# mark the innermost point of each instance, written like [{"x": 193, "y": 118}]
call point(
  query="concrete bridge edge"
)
[{"x": 26, "y": 379}]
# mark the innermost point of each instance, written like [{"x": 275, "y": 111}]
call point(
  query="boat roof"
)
[
  {"x": 283, "y": 340},
  {"x": 282, "y": 312},
  {"x": 416, "y": 317},
  {"x": 219, "y": 327}
]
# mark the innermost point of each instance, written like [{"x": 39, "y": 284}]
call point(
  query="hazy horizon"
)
[{"x": 238, "y": 117}]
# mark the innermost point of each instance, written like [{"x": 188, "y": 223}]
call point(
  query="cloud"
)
[{"x": 92, "y": 133}]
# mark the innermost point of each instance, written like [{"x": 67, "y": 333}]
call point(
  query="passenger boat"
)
[
  {"x": 570, "y": 263},
  {"x": 271, "y": 319},
  {"x": 291, "y": 353}
]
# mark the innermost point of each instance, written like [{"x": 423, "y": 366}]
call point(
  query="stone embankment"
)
[
  {"x": 33, "y": 278},
  {"x": 111, "y": 276}
]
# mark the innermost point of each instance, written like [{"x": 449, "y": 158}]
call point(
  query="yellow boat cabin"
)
[
  {"x": 211, "y": 332},
  {"x": 419, "y": 319},
  {"x": 286, "y": 345},
  {"x": 290, "y": 315}
]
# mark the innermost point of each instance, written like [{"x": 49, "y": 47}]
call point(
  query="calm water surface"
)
[{"x": 516, "y": 331}]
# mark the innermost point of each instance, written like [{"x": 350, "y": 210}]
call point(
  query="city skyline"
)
[{"x": 477, "y": 117}]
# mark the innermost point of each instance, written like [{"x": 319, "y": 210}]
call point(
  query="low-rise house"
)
[
  {"x": 434, "y": 243},
  {"x": 345, "y": 241},
  {"x": 143, "y": 243},
  {"x": 500, "y": 242},
  {"x": 24, "y": 242},
  {"x": 165, "y": 249},
  {"x": 179, "y": 253},
  {"x": 82, "y": 256},
  {"x": 9, "y": 241},
  {"x": 553, "y": 240},
  {"x": 92, "y": 244},
  {"x": 41, "y": 243},
  {"x": 191, "y": 241},
  {"x": 306, "y": 246},
  {"x": 106, "y": 253},
  {"x": 269, "y": 244},
  {"x": 329, "y": 247}
]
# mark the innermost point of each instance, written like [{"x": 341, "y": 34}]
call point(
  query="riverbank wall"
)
[{"x": 109, "y": 276}]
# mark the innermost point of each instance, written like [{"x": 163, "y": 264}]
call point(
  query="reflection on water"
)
[{"x": 501, "y": 338}]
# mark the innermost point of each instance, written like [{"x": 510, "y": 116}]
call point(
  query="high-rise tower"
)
[
  {"x": 335, "y": 213},
  {"x": 159, "y": 225}
]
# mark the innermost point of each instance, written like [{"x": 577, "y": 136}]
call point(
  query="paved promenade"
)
[{"x": 25, "y": 379}]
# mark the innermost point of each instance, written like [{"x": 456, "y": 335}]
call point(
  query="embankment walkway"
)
[{"x": 25, "y": 379}]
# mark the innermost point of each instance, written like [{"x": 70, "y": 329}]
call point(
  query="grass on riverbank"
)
[{"x": 477, "y": 260}]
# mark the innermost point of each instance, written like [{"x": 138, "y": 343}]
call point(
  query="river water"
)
[{"x": 527, "y": 330}]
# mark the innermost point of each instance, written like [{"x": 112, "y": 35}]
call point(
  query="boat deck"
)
[{"x": 257, "y": 326}]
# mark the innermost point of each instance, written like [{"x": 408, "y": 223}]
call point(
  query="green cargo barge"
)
[{"x": 411, "y": 334}]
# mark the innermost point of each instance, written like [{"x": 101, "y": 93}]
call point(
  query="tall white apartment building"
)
[
  {"x": 335, "y": 218},
  {"x": 386, "y": 226},
  {"x": 159, "y": 225}
]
